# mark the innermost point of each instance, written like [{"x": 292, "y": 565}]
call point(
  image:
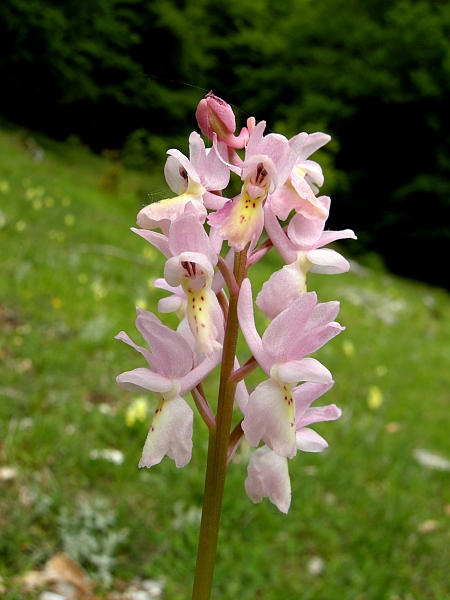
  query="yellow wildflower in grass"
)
[
  {"x": 150, "y": 253},
  {"x": 20, "y": 226},
  {"x": 374, "y": 398},
  {"x": 37, "y": 204},
  {"x": 69, "y": 220},
  {"x": 348, "y": 348},
  {"x": 142, "y": 303},
  {"x": 4, "y": 187},
  {"x": 137, "y": 411},
  {"x": 56, "y": 303}
]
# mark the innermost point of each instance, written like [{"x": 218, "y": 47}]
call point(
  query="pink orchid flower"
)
[
  {"x": 268, "y": 162},
  {"x": 268, "y": 473},
  {"x": 299, "y": 190},
  {"x": 192, "y": 266},
  {"x": 301, "y": 249},
  {"x": 171, "y": 376},
  {"x": 299, "y": 330},
  {"x": 189, "y": 275},
  {"x": 193, "y": 179}
]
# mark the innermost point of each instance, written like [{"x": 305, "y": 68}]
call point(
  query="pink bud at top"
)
[{"x": 215, "y": 116}]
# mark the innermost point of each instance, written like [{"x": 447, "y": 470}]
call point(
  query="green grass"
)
[{"x": 71, "y": 274}]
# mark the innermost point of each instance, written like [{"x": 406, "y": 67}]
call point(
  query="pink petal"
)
[
  {"x": 319, "y": 414},
  {"x": 313, "y": 142},
  {"x": 304, "y": 233},
  {"x": 306, "y": 369},
  {"x": 268, "y": 476},
  {"x": 172, "y": 355},
  {"x": 280, "y": 240},
  {"x": 281, "y": 337},
  {"x": 305, "y": 394},
  {"x": 310, "y": 441},
  {"x": 327, "y": 262},
  {"x": 170, "y": 433},
  {"x": 331, "y": 236},
  {"x": 157, "y": 240},
  {"x": 143, "y": 381},
  {"x": 198, "y": 373},
  {"x": 281, "y": 290},
  {"x": 247, "y": 324},
  {"x": 188, "y": 235}
]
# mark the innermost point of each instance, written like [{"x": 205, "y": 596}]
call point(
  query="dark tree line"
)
[{"x": 374, "y": 74}]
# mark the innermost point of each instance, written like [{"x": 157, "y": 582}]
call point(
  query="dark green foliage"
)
[{"x": 374, "y": 74}]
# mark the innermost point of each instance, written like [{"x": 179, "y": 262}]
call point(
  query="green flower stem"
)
[{"x": 219, "y": 437}]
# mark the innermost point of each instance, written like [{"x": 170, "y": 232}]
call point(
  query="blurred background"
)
[
  {"x": 94, "y": 92},
  {"x": 375, "y": 75}
]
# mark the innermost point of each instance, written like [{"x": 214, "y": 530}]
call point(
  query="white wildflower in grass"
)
[
  {"x": 109, "y": 454},
  {"x": 431, "y": 461}
]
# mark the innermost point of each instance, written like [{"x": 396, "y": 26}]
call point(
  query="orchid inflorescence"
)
[{"x": 279, "y": 194}]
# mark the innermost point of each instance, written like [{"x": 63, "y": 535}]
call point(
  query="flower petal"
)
[
  {"x": 268, "y": 476},
  {"x": 270, "y": 416},
  {"x": 306, "y": 369},
  {"x": 143, "y": 381},
  {"x": 327, "y": 262},
  {"x": 170, "y": 433},
  {"x": 310, "y": 441},
  {"x": 247, "y": 323}
]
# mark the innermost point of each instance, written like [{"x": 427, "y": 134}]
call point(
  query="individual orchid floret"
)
[
  {"x": 301, "y": 248},
  {"x": 268, "y": 162},
  {"x": 299, "y": 330},
  {"x": 299, "y": 191},
  {"x": 193, "y": 179},
  {"x": 192, "y": 267},
  {"x": 214, "y": 116},
  {"x": 171, "y": 376},
  {"x": 268, "y": 475}
]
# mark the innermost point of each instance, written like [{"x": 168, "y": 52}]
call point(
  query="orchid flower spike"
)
[
  {"x": 171, "y": 376},
  {"x": 299, "y": 330}
]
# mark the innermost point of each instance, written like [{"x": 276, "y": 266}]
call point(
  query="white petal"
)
[
  {"x": 268, "y": 476},
  {"x": 170, "y": 433},
  {"x": 310, "y": 441}
]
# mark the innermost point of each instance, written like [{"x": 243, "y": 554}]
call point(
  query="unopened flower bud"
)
[{"x": 216, "y": 116}]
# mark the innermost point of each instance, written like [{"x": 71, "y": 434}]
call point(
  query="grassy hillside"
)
[{"x": 370, "y": 517}]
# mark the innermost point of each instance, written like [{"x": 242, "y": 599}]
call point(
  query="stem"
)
[{"x": 216, "y": 468}]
